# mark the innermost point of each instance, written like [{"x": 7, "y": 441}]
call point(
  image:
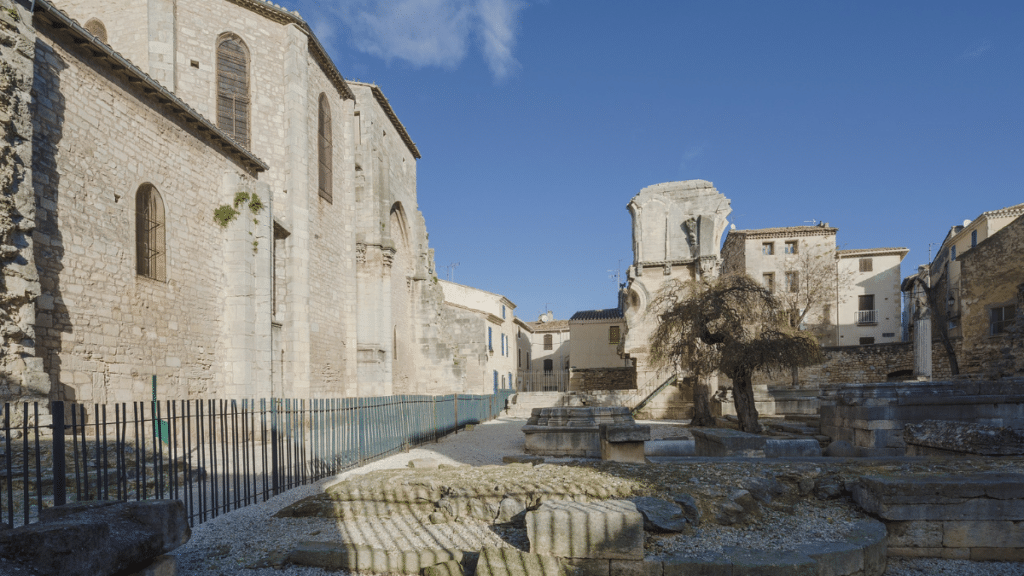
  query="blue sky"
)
[{"x": 538, "y": 121}]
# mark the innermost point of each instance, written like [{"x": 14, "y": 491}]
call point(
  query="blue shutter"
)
[
  {"x": 490, "y": 345},
  {"x": 510, "y": 380},
  {"x": 495, "y": 380}
]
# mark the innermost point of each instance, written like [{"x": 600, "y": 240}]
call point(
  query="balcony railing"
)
[{"x": 867, "y": 316}]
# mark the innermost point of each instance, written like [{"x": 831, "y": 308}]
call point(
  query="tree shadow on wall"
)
[{"x": 52, "y": 318}]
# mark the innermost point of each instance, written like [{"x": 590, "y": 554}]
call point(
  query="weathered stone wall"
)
[
  {"x": 990, "y": 275},
  {"x": 693, "y": 215},
  {"x": 872, "y": 417},
  {"x": 469, "y": 330},
  {"x": 593, "y": 379},
  {"x": 332, "y": 274},
  {"x": 127, "y": 25},
  {"x": 859, "y": 365},
  {"x": 104, "y": 329},
  {"x": 21, "y": 371}
]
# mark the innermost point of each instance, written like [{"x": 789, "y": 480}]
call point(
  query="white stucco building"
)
[
  {"x": 489, "y": 334},
  {"x": 853, "y": 295}
]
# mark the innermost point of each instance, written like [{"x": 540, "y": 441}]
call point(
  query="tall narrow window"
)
[
  {"x": 325, "y": 150},
  {"x": 150, "y": 256},
  {"x": 548, "y": 342},
  {"x": 233, "y": 89},
  {"x": 613, "y": 335},
  {"x": 769, "y": 281},
  {"x": 974, "y": 238}
]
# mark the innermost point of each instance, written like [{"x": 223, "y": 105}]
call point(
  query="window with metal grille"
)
[
  {"x": 233, "y": 89},
  {"x": 548, "y": 345},
  {"x": 866, "y": 264},
  {"x": 150, "y": 256},
  {"x": 1001, "y": 318},
  {"x": 865, "y": 340},
  {"x": 549, "y": 366},
  {"x": 613, "y": 334},
  {"x": 325, "y": 150}
]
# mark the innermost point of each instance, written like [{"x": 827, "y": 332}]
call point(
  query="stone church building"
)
[{"x": 192, "y": 190}]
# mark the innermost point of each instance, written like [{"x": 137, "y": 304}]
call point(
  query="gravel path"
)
[{"x": 236, "y": 543}]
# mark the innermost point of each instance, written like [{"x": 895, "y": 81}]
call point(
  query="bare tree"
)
[
  {"x": 813, "y": 282},
  {"x": 732, "y": 325}
]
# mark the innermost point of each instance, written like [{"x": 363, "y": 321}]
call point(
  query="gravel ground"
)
[{"x": 236, "y": 543}]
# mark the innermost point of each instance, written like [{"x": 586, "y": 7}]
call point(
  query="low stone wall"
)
[
  {"x": 976, "y": 517},
  {"x": 872, "y": 417},
  {"x": 595, "y": 379},
  {"x": 860, "y": 365}
]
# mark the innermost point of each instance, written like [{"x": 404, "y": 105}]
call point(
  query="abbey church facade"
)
[{"x": 201, "y": 196}]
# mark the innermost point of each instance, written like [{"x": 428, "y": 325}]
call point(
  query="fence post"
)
[
  {"x": 276, "y": 483},
  {"x": 60, "y": 465}
]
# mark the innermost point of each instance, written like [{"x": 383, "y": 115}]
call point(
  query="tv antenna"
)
[
  {"x": 617, "y": 274},
  {"x": 451, "y": 270},
  {"x": 812, "y": 222},
  {"x": 930, "y": 244}
]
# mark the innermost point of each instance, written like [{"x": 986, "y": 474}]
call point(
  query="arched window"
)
[
  {"x": 325, "y": 149},
  {"x": 547, "y": 342},
  {"x": 233, "y": 88},
  {"x": 150, "y": 255},
  {"x": 97, "y": 29}
]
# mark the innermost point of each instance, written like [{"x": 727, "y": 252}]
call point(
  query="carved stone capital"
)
[{"x": 388, "y": 256}]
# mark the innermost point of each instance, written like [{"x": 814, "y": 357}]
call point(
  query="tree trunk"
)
[
  {"x": 940, "y": 323},
  {"x": 743, "y": 397},
  {"x": 702, "y": 403}
]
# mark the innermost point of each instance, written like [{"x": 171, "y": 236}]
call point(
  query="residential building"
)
[
  {"x": 596, "y": 337},
  {"x": 846, "y": 297},
  {"x": 945, "y": 273},
  {"x": 869, "y": 301},
  {"x": 489, "y": 333},
  {"x": 547, "y": 359},
  {"x": 974, "y": 283}
]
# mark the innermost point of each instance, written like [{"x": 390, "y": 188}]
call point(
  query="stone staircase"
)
[{"x": 523, "y": 403}]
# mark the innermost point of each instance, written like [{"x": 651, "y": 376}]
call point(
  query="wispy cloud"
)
[
  {"x": 434, "y": 32},
  {"x": 976, "y": 52},
  {"x": 691, "y": 159}
]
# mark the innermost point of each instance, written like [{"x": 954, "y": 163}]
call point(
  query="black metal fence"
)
[{"x": 214, "y": 455}]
